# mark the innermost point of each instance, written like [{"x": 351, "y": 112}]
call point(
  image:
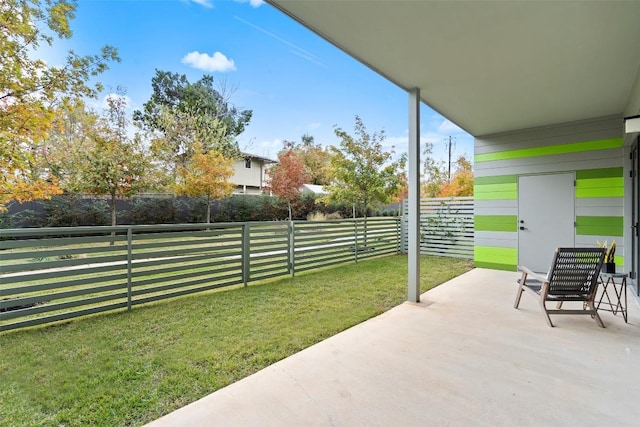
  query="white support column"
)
[{"x": 414, "y": 196}]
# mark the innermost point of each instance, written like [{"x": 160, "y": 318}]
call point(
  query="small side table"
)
[{"x": 614, "y": 303}]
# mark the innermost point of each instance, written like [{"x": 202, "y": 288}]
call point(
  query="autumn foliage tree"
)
[
  {"x": 434, "y": 175},
  {"x": 30, "y": 90},
  {"x": 461, "y": 183},
  {"x": 206, "y": 175},
  {"x": 403, "y": 189},
  {"x": 435, "y": 181},
  {"x": 316, "y": 159},
  {"x": 287, "y": 177}
]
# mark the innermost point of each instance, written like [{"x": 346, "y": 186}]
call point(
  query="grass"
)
[{"x": 133, "y": 367}]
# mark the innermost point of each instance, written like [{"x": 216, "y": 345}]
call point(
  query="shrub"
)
[
  {"x": 71, "y": 210},
  {"x": 153, "y": 211},
  {"x": 317, "y": 216}
]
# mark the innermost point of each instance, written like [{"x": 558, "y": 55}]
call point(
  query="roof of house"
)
[{"x": 255, "y": 156}]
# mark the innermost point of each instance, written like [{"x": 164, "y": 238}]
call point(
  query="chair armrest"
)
[{"x": 537, "y": 276}]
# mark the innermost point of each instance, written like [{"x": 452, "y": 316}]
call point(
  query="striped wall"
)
[{"x": 592, "y": 149}]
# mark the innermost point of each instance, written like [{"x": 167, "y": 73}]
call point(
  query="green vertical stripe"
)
[
  {"x": 550, "y": 150},
  {"x": 599, "y": 226}
]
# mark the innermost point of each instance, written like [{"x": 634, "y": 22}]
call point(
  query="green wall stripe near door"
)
[
  {"x": 495, "y": 266},
  {"x": 599, "y": 173},
  {"x": 600, "y": 183},
  {"x": 500, "y": 179},
  {"x": 599, "y": 226},
  {"x": 496, "y": 255},
  {"x": 495, "y": 191},
  {"x": 584, "y": 193},
  {"x": 549, "y": 150},
  {"x": 496, "y": 223},
  {"x": 594, "y": 183}
]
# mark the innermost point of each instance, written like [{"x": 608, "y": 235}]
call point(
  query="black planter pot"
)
[{"x": 609, "y": 267}]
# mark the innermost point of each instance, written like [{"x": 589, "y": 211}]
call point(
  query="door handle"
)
[{"x": 523, "y": 228}]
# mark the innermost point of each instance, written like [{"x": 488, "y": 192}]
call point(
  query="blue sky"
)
[{"x": 295, "y": 82}]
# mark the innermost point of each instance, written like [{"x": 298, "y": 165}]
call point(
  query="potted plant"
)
[{"x": 609, "y": 265}]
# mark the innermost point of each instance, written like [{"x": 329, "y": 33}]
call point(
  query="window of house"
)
[{"x": 247, "y": 163}]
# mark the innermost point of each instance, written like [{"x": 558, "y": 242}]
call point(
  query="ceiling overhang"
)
[{"x": 492, "y": 66}]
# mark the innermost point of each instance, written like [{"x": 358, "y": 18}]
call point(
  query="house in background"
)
[
  {"x": 549, "y": 90},
  {"x": 250, "y": 173}
]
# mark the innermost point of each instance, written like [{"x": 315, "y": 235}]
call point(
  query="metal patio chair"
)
[{"x": 573, "y": 276}]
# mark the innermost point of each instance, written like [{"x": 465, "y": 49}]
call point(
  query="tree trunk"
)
[
  {"x": 365, "y": 230},
  {"x": 113, "y": 217},
  {"x": 289, "y": 207},
  {"x": 208, "y": 210},
  {"x": 113, "y": 210}
]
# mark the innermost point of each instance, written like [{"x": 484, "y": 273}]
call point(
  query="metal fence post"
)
[
  {"x": 129, "y": 265},
  {"x": 403, "y": 228},
  {"x": 355, "y": 247},
  {"x": 292, "y": 248},
  {"x": 246, "y": 254},
  {"x": 399, "y": 235}
]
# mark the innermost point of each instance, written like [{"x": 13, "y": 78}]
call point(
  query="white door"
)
[{"x": 546, "y": 218}]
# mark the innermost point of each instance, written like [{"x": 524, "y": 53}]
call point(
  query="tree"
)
[
  {"x": 206, "y": 175},
  {"x": 461, "y": 183},
  {"x": 434, "y": 174},
  {"x": 363, "y": 174},
  {"x": 180, "y": 112},
  {"x": 68, "y": 141},
  {"x": 403, "y": 190},
  {"x": 286, "y": 177},
  {"x": 30, "y": 89},
  {"x": 113, "y": 164},
  {"x": 315, "y": 158}
]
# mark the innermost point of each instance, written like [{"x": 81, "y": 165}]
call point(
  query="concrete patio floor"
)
[{"x": 461, "y": 357}]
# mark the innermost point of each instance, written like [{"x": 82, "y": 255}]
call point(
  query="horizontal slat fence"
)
[
  {"x": 446, "y": 226},
  {"x": 54, "y": 274},
  {"x": 322, "y": 243}
]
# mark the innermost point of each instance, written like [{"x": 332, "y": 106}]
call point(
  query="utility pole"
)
[{"x": 450, "y": 144}]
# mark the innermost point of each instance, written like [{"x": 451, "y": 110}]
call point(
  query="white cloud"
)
[
  {"x": 397, "y": 143},
  {"x": 205, "y": 62},
  {"x": 253, "y": 3},
  {"x": 268, "y": 149},
  {"x": 205, "y": 3},
  {"x": 313, "y": 126},
  {"x": 448, "y": 127}
]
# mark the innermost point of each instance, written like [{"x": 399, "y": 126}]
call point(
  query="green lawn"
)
[{"x": 130, "y": 368}]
